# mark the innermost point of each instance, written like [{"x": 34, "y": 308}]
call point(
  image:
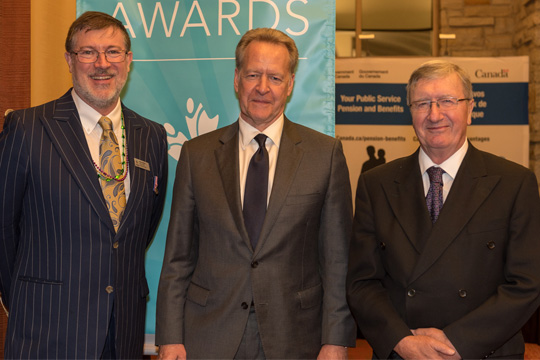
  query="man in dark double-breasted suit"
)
[
  {"x": 427, "y": 282},
  {"x": 71, "y": 258},
  {"x": 279, "y": 294}
]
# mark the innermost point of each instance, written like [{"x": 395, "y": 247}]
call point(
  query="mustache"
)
[{"x": 102, "y": 73}]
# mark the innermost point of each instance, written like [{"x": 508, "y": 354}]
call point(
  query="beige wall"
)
[{"x": 50, "y": 21}]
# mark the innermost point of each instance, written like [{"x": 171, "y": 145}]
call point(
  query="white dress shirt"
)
[
  {"x": 450, "y": 167},
  {"x": 247, "y": 146},
  {"x": 89, "y": 121}
]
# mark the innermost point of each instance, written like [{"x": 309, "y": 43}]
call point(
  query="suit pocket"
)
[
  {"x": 478, "y": 226},
  {"x": 311, "y": 297},
  {"x": 197, "y": 294},
  {"x": 303, "y": 199},
  {"x": 40, "y": 280}
]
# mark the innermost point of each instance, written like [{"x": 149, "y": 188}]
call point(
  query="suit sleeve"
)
[
  {"x": 181, "y": 252},
  {"x": 159, "y": 200},
  {"x": 369, "y": 301},
  {"x": 514, "y": 301},
  {"x": 14, "y": 168},
  {"x": 338, "y": 327}
]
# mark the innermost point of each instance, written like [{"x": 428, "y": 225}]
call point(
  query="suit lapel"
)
[
  {"x": 134, "y": 128},
  {"x": 405, "y": 195},
  {"x": 230, "y": 176},
  {"x": 471, "y": 187},
  {"x": 67, "y": 136},
  {"x": 289, "y": 157}
]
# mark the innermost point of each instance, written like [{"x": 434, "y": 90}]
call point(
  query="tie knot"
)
[
  {"x": 105, "y": 123},
  {"x": 261, "y": 139},
  {"x": 435, "y": 174}
]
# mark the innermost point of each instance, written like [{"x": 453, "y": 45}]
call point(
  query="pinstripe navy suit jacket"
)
[{"x": 61, "y": 263}]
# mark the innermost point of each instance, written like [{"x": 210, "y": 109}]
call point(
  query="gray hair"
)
[
  {"x": 268, "y": 35},
  {"x": 437, "y": 69}
]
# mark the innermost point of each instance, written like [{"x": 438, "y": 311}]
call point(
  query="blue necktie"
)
[
  {"x": 434, "y": 198},
  {"x": 256, "y": 191}
]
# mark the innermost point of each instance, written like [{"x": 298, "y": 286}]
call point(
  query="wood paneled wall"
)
[
  {"x": 14, "y": 75},
  {"x": 15, "y": 56}
]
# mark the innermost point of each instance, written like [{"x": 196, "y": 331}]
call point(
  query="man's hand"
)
[
  {"x": 423, "y": 347},
  {"x": 333, "y": 352},
  {"x": 439, "y": 335},
  {"x": 172, "y": 352}
]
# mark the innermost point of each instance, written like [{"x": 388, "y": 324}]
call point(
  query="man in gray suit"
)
[
  {"x": 272, "y": 287},
  {"x": 444, "y": 257},
  {"x": 82, "y": 191}
]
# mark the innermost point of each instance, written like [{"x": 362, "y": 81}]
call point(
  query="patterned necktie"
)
[
  {"x": 256, "y": 191},
  {"x": 110, "y": 162},
  {"x": 434, "y": 198}
]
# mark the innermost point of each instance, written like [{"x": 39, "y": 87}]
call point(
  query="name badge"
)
[{"x": 142, "y": 164}]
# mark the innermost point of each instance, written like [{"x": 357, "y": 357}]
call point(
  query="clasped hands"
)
[{"x": 427, "y": 343}]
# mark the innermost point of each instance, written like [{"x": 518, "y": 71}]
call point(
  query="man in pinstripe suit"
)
[{"x": 73, "y": 281}]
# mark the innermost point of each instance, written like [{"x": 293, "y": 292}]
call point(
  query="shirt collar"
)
[
  {"x": 248, "y": 132},
  {"x": 450, "y": 165},
  {"x": 90, "y": 117}
]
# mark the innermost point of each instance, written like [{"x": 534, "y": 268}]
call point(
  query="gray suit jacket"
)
[
  {"x": 296, "y": 274},
  {"x": 61, "y": 263},
  {"x": 475, "y": 273}
]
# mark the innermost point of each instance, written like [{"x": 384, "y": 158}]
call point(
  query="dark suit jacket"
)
[
  {"x": 475, "y": 273},
  {"x": 61, "y": 262},
  {"x": 295, "y": 275}
]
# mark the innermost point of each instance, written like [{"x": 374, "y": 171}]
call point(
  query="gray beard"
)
[{"x": 94, "y": 101}]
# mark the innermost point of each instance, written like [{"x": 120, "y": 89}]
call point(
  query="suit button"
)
[
  {"x": 115, "y": 245},
  {"x": 109, "y": 289},
  {"x": 462, "y": 293},
  {"x": 491, "y": 245},
  {"x": 382, "y": 245},
  {"x": 254, "y": 264},
  {"x": 244, "y": 305},
  {"x": 411, "y": 293}
]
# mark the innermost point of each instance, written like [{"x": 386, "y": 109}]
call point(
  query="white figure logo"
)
[{"x": 197, "y": 125}]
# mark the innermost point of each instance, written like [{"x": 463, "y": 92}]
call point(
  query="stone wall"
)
[{"x": 498, "y": 28}]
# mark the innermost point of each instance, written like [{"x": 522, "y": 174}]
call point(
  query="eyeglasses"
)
[
  {"x": 448, "y": 103},
  {"x": 91, "y": 56}
]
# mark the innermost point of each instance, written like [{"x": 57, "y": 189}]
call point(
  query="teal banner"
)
[{"x": 183, "y": 69}]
